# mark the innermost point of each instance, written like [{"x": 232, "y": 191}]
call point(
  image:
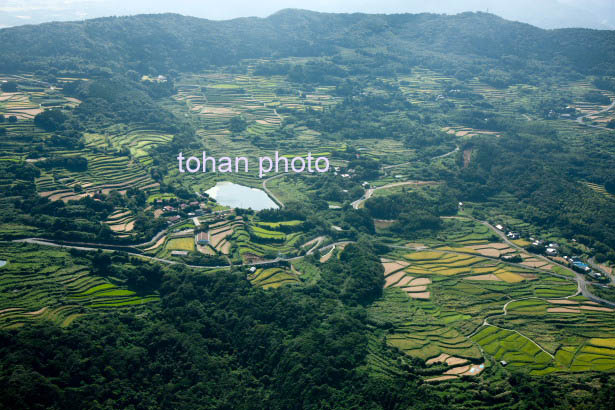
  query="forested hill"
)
[{"x": 159, "y": 43}]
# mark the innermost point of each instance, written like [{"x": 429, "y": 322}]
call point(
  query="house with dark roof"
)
[{"x": 202, "y": 238}]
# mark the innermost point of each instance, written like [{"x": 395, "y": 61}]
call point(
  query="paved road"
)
[
  {"x": 45, "y": 242},
  {"x": 95, "y": 247},
  {"x": 275, "y": 198},
  {"x": 580, "y": 119},
  {"x": 316, "y": 243},
  {"x": 409, "y": 162},
  {"x": 447, "y": 154}
]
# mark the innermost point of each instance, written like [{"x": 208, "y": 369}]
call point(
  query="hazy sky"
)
[{"x": 542, "y": 13}]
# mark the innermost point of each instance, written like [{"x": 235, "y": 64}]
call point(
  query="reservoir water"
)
[{"x": 240, "y": 196}]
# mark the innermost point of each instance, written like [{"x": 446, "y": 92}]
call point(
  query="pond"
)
[
  {"x": 240, "y": 196},
  {"x": 2, "y": 263}
]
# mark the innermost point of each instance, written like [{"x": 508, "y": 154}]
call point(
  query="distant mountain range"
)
[
  {"x": 163, "y": 42},
  {"x": 596, "y": 14}
]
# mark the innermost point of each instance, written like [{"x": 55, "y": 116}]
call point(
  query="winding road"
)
[
  {"x": 579, "y": 120},
  {"x": 275, "y": 198},
  {"x": 579, "y": 278}
]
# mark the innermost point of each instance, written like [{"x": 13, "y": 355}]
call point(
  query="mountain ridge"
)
[{"x": 160, "y": 42}]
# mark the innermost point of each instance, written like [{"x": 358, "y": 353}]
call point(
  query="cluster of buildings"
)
[
  {"x": 172, "y": 212},
  {"x": 510, "y": 234},
  {"x": 552, "y": 249}
]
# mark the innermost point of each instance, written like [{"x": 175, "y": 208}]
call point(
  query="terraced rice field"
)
[
  {"x": 492, "y": 250},
  {"x": 420, "y": 329},
  {"x": 515, "y": 349},
  {"x": 212, "y": 99},
  {"x": 441, "y": 263},
  {"x": 570, "y": 329},
  {"x": 600, "y": 189},
  {"x": 254, "y": 243},
  {"x": 121, "y": 222},
  {"x": 462, "y": 232},
  {"x": 219, "y": 236},
  {"x": 105, "y": 174},
  {"x": 32, "y": 98},
  {"x": 139, "y": 140},
  {"x": 217, "y": 97},
  {"x": 269, "y": 278},
  {"x": 534, "y": 320},
  {"x": 42, "y": 284}
]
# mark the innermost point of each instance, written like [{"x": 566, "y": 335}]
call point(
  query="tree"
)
[
  {"x": 1, "y": 118},
  {"x": 12, "y": 119},
  {"x": 238, "y": 124},
  {"x": 9, "y": 87},
  {"x": 50, "y": 120}
]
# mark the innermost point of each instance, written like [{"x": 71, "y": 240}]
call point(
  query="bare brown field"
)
[
  {"x": 217, "y": 110},
  {"x": 420, "y": 282},
  {"x": 157, "y": 244},
  {"x": 36, "y": 312},
  {"x": 596, "y": 308},
  {"x": 439, "y": 359},
  {"x": 215, "y": 239},
  {"x": 423, "y": 295},
  {"x": 488, "y": 276},
  {"x": 454, "y": 361},
  {"x": 127, "y": 227},
  {"x": 457, "y": 370},
  {"x": 494, "y": 245},
  {"x": 494, "y": 253},
  {"x": 225, "y": 248},
  {"x": 393, "y": 266},
  {"x": 404, "y": 281},
  {"x": 391, "y": 279},
  {"x": 562, "y": 310},
  {"x": 534, "y": 264},
  {"x": 562, "y": 302},
  {"x": 206, "y": 250}
]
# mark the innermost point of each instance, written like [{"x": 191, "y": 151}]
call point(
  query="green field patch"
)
[{"x": 517, "y": 350}]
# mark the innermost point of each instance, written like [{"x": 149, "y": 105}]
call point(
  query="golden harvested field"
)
[
  {"x": 181, "y": 244},
  {"x": 610, "y": 343}
]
